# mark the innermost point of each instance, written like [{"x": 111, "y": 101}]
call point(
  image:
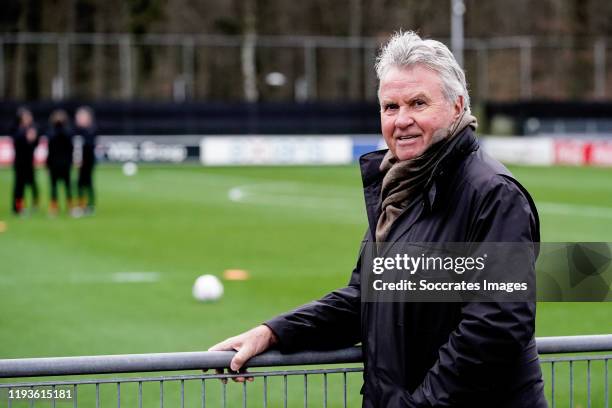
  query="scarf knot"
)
[{"x": 404, "y": 180}]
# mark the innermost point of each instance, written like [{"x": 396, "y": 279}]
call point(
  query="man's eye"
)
[
  {"x": 391, "y": 106},
  {"x": 419, "y": 103}
]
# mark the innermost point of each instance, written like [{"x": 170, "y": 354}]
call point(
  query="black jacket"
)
[
  {"x": 88, "y": 135},
  {"x": 24, "y": 149},
  {"x": 60, "y": 147},
  {"x": 437, "y": 354}
]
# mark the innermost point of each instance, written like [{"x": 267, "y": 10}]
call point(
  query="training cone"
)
[{"x": 235, "y": 274}]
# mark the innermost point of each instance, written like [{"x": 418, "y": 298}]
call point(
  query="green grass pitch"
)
[{"x": 295, "y": 229}]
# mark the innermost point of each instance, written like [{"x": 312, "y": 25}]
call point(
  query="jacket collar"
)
[{"x": 372, "y": 177}]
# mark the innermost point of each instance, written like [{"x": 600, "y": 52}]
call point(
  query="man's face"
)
[
  {"x": 83, "y": 118},
  {"x": 27, "y": 119},
  {"x": 412, "y": 108}
]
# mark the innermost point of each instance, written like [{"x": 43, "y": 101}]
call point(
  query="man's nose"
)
[{"x": 404, "y": 118}]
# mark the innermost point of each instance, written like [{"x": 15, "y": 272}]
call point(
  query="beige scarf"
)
[{"x": 405, "y": 179}]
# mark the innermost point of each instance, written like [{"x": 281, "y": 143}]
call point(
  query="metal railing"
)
[
  {"x": 520, "y": 56},
  {"x": 571, "y": 380}
]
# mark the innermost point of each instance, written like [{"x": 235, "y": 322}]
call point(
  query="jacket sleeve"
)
[
  {"x": 491, "y": 336},
  {"x": 328, "y": 323},
  {"x": 18, "y": 138}
]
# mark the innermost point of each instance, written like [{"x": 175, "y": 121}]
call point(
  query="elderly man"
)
[{"x": 434, "y": 184}]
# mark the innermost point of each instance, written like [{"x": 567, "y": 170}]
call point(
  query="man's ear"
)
[{"x": 459, "y": 106}]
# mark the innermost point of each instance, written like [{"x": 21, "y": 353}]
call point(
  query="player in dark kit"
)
[
  {"x": 85, "y": 127},
  {"x": 59, "y": 160},
  {"x": 25, "y": 139}
]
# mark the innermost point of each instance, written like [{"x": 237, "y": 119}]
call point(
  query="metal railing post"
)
[
  {"x": 457, "y": 35},
  {"x": 525, "y": 61},
  {"x": 188, "y": 68},
  {"x": 61, "y": 86},
  {"x": 2, "y": 71},
  {"x": 66, "y": 72},
  {"x": 125, "y": 66},
  {"x": 483, "y": 71},
  {"x": 310, "y": 69},
  {"x": 370, "y": 82},
  {"x": 599, "y": 71}
]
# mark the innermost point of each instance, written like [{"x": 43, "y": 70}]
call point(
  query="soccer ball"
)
[
  {"x": 130, "y": 169},
  {"x": 207, "y": 288}
]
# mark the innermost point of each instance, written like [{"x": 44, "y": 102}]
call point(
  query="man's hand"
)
[{"x": 247, "y": 345}]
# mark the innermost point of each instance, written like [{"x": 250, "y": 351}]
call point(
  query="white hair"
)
[{"x": 407, "y": 49}]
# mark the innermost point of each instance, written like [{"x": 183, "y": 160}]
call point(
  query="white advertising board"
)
[
  {"x": 275, "y": 150},
  {"x": 537, "y": 151}
]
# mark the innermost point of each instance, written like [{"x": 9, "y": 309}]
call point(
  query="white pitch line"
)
[
  {"x": 255, "y": 194},
  {"x": 341, "y": 204},
  {"x": 117, "y": 277},
  {"x": 135, "y": 277},
  {"x": 308, "y": 202},
  {"x": 574, "y": 209},
  {"x": 301, "y": 195},
  {"x": 295, "y": 195}
]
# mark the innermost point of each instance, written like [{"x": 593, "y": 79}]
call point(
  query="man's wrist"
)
[{"x": 272, "y": 337}]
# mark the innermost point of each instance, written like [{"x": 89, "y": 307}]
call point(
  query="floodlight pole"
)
[{"x": 457, "y": 37}]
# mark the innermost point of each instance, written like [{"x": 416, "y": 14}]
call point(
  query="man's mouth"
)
[{"x": 407, "y": 137}]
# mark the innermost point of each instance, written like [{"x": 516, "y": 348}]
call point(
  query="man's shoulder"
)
[
  {"x": 486, "y": 179},
  {"x": 483, "y": 173}
]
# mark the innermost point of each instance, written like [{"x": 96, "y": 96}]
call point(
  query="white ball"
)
[
  {"x": 130, "y": 169},
  {"x": 276, "y": 79},
  {"x": 207, "y": 288}
]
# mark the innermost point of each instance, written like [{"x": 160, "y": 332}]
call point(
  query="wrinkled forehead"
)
[{"x": 403, "y": 81}]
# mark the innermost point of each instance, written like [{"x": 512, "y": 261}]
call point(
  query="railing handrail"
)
[
  {"x": 132, "y": 363},
  {"x": 574, "y": 344}
]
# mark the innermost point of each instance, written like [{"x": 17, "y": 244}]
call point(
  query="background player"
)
[
  {"x": 25, "y": 139},
  {"x": 59, "y": 160},
  {"x": 85, "y": 127}
]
